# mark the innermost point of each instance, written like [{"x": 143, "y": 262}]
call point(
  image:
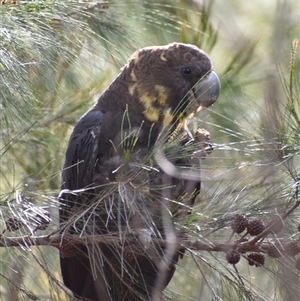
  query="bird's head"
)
[{"x": 172, "y": 81}]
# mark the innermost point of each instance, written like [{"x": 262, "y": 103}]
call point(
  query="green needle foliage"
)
[{"x": 56, "y": 57}]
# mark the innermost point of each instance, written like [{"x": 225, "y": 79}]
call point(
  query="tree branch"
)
[{"x": 59, "y": 240}]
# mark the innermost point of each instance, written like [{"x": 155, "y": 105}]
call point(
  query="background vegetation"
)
[{"x": 56, "y": 57}]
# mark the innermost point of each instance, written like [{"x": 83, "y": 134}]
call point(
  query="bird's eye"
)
[{"x": 186, "y": 70}]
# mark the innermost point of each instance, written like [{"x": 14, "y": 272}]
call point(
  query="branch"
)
[{"x": 58, "y": 241}]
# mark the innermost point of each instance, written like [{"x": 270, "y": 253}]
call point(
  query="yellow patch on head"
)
[
  {"x": 163, "y": 95},
  {"x": 154, "y": 101},
  {"x": 163, "y": 57},
  {"x": 147, "y": 99},
  {"x": 152, "y": 114}
]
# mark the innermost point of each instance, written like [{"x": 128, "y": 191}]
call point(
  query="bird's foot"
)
[{"x": 204, "y": 148}]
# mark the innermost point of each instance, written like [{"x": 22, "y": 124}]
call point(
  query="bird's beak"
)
[{"x": 207, "y": 91}]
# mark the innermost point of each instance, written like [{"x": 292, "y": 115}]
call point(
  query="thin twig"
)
[{"x": 205, "y": 278}]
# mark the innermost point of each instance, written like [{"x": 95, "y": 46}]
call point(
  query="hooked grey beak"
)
[{"x": 207, "y": 90}]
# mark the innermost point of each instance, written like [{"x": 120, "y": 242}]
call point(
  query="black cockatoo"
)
[{"x": 131, "y": 173}]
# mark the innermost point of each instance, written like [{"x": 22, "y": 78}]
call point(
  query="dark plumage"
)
[{"x": 114, "y": 183}]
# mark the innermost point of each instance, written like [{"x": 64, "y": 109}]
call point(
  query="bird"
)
[{"x": 131, "y": 172}]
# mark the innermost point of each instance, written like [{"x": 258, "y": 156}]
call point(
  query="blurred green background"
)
[{"x": 56, "y": 57}]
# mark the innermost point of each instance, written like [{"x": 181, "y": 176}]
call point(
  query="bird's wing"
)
[
  {"x": 82, "y": 152},
  {"x": 95, "y": 155},
  {"x": 77, "y": 187}
]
